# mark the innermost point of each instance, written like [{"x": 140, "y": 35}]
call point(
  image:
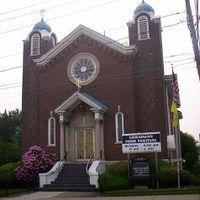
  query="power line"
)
[
  {"x": 180, "y": 54},
  {"x": 140, "y": 73},
  {"x": 51, "y": 19},
  {"x": 11, "y": 55},
  {"x": 33, "y": 12},
  {"x": 11, "y": 68},
  {"x": 173, "y": 61},
  {"x": 113, "y": 41},
  {"x": 10, "y": 87},
  {"x": 22, "y": 8},
  {"x": 10, "y": 84},
  {"x": 83, "y": 10}
]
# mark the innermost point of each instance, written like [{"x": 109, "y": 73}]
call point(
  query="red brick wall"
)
[{"x": 136, "y": 84}]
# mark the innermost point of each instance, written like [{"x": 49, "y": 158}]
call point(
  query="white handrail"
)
[
  {"x": 87, "y": 166},
  {"x": 97, "y": 168},
  {"x": 47, "y": 178}
]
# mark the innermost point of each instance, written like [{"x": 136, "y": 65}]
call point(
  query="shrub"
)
[
  {"x": 115, "y": 177},
  {"x": 188, "y": 178},
  {"x": 168, "y": 177},
  {"x": 118, "y": 168},
  {"x": 34, "y": 161},
  {"x": 7, "y": 175},
  {"x": 196, "y": 169},
  {"x": 10, "y": 153},
  {"x": 109, "y": 181}
]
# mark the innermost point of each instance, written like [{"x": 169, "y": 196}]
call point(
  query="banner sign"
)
[{"x": 148, "y": 142}]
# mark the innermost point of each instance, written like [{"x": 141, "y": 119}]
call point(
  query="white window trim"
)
[
  {"x": 53, "y": 40},
  {"x": 143, "y": 22},
  {"x": 116, "y": 127},
  {"x": 49, "y": 131},
  {"x": 35, "y": 44}
]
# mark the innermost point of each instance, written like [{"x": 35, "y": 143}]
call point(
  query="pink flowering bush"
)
[{"x": 34, "y": 161}]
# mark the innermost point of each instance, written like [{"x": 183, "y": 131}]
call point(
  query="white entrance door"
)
[{"x": 84, "y": 143}]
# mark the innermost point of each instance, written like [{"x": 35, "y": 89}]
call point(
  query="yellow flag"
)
[{"x": 174, "y": 114}]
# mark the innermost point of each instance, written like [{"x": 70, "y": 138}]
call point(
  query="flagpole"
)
[
  {"x": 175, "y": 122},
  {"x": 177, "y": 157}
]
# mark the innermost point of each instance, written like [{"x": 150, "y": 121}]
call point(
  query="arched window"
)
[
  {"x": 51, "y": 131},
  {"x": 143, "y": 28},
  {"x": 119, "y": 126},
  {"x": 35, "y": 44}
]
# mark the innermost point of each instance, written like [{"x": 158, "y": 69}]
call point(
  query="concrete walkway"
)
[{"x": 95, "y": 196}]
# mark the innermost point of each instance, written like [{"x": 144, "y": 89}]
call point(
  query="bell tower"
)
[
  {"x": 149, "y": 86},
  {"x": 39, "y": 41}
]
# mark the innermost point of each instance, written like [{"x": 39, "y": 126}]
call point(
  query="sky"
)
[{"x": 17, "y": 18}]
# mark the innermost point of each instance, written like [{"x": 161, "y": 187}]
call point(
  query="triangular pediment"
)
[
  {"x": 77, "y": 98},
  {"x": 83, "y": 30}
]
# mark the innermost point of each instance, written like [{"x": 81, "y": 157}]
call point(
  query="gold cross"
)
[{"x": 78, "y": 83}]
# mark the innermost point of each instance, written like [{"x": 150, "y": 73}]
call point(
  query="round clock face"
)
[{"x": 84, "y": 67}]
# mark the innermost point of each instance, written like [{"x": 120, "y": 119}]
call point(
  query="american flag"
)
[{"x": 175, "y": 88}]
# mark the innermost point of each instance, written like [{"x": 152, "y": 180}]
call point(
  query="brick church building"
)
[{"x": 82, "y": 93}]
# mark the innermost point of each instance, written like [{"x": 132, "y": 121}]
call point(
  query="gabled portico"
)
[{"x": 81, "y": 127}]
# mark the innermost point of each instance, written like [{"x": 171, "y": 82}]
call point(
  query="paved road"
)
[{"x": 95, "y": 196}]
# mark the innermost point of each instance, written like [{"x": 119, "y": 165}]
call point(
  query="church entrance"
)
[
  {"x": 81, "y": 127},
  {"x": 84, "y": 139}
]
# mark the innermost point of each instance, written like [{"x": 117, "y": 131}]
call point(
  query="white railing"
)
[
  {"x": 97, "y": 168},
  {"x": 47, "y": 178},
  {"x": 87, "y": 166}
]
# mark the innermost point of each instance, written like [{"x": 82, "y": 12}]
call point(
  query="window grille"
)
[
  {"x": 35, "y": 44},
  {"x": 143, "y": 28}
]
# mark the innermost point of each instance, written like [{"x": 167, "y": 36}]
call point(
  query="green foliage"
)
[
  {"x": 10, "y": 136},
  {"x": 161, "y": 165},
  {"x": 10, "y": 126},
  {"x": 7, "y": 175},
  {"x": 109, "y": 181},
  {"x": 196, "y": 169},
  {"x": 115, "y": 177},
  {"x": 9, "y": 152},
  {"x": 118, "y": 168},
  {"x": 190, "y": 151},
  {"x": 168, "y": 177}
]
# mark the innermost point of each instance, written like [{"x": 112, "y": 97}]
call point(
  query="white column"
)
[
  {"x": 99, "y": 139},
  {"x": 62, "y": 131},
  {"x": 67, "y": 141}
]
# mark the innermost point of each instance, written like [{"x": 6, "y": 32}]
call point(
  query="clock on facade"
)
[{"x": 84, "y": 67}]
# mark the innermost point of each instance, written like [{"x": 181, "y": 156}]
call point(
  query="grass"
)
[
  {"x": 12, "y": 191},
  {"x": 166, "y": 191}
]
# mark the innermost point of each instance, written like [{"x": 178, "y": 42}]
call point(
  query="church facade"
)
[{"x": 82, "y": 93}]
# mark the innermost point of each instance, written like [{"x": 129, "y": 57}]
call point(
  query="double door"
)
[{"x": 84, "y": 143}]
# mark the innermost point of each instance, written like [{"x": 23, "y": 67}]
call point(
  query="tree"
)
[
  {"x": 10, "y": 136},
  {"x": 190, "y": 150},
  {"x": 10, "y": 123}
]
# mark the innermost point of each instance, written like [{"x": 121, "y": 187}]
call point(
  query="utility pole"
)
[{"x": 193, "y": 35}]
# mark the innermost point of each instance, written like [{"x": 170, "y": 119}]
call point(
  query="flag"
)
[{"x": 175, "y": 100}]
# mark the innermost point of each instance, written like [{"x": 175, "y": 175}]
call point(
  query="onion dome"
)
[
  {"x": 42, "y": 25},
  {"x": 144, "y": 8}
]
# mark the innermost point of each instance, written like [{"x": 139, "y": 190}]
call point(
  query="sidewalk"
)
[{"x": 95, "y": 196}]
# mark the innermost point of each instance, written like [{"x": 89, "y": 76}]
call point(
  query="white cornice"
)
[
  {"x": 90, "y": 33},
  {"x": 78, "y": 97}
]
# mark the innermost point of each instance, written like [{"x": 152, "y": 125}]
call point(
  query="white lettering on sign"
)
[{"x": 141, "y": 142}]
